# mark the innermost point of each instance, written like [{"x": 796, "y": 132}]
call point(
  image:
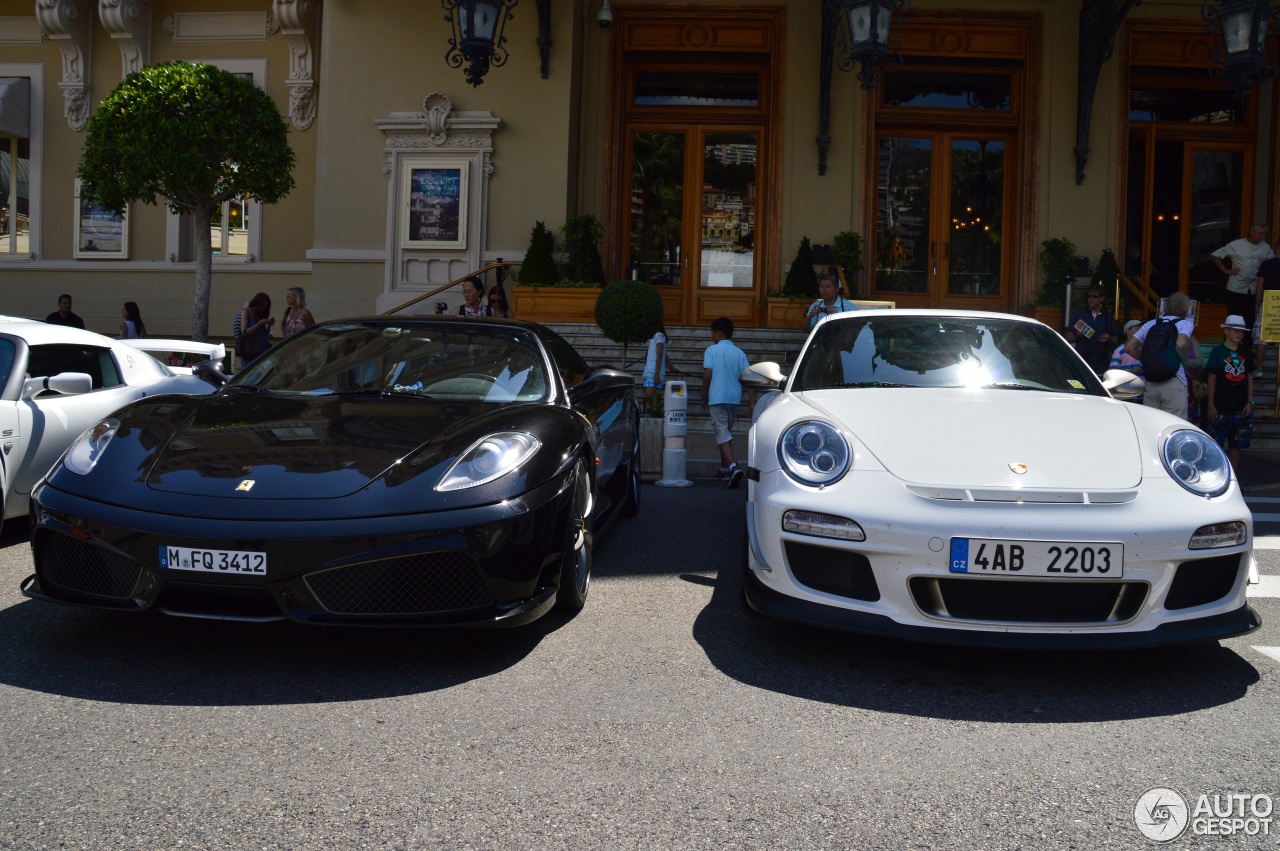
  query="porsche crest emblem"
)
[
  {"x": 247, "y": 484},
  {"x": 1020, "y": 469}
]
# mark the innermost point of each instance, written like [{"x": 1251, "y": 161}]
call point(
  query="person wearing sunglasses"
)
[
  {"x": 498, "y": 304},
  {"x": 1093, "y": 331}
]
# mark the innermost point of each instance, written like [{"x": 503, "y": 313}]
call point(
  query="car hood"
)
[
  {"x": 975, "y": 438},
  {"x": 307, "y": 448}
]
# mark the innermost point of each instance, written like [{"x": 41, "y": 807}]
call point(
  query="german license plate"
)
[
  {"x": 213, "y": 561},
  {"x": 1053, "y": 559}
]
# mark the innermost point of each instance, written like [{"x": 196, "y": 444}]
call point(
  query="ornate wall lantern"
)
[
  {"x": 478, "y": 38},
  {"x": 862, "y": 34},
  {"x": 1242, "y": 56}
]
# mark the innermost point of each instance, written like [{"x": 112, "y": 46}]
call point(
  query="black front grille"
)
[
  {"x": 1207, "y": 580},
  {"x": 1028, "y": 602},
  {"x": 429, "y": 583},
  {"x": 82, "y": 567},
  {"x": 832, "y": 571}
]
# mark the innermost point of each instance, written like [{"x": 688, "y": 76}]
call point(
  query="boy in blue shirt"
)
[{"x": 722, "y": 363}]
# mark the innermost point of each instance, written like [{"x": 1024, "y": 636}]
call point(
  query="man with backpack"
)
[{"x": 1162, "y": 344}]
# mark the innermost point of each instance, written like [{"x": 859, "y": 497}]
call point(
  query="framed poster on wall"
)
[
  {"x": 435, "y": 203},
  {"x": 100, "y": 233}
]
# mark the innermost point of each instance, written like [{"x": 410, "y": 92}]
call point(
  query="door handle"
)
[{"x": 933, "y": 255}]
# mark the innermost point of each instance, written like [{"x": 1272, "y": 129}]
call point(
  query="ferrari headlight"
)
[
  {"x": 488, "y": 459},
  {"x": 88, "y": 448},
  {"x": 814, "y": 453},
  {"x": 1195, "y": 461}
]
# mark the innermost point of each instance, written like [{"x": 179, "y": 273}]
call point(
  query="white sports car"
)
[
  {"x": 56, "y": 381},
  {"x": 965, "y": 478}
]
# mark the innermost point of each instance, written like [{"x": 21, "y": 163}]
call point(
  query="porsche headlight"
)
[
  {"x": 814, "y": 453},
  {"x": 488, "y": 459},
  {"x": 1195, "y": 462},
  {"x": 88, "y": 448}
]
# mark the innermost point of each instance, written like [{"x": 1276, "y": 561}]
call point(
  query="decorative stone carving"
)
[
  {"x": 69, "y": 23},
  {"x": 297, "y": 25},
  {"x": 437, "y": 108},
  {"x": 129, "y": 22}
]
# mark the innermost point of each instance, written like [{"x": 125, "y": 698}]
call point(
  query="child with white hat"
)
[{"x": 1230, "y": 370}]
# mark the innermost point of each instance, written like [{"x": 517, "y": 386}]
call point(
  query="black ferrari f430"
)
[{"x": 375, "y": 472}]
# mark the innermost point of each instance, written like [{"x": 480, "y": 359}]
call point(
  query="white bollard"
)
[{"x": 674, "y": 428}]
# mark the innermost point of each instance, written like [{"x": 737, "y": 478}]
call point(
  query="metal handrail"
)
[
  {"x": 501, "y": 276},
  {"x": 1142, "y": 293}
]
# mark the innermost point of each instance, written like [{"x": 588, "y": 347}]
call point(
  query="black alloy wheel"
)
[{"x": 575, "y": 564}]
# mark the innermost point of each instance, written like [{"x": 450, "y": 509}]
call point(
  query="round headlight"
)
[
  {"x": 84, "y": 453},
  {"x": 1195, "y": 461},
  {"x": 814, "y": 453}
]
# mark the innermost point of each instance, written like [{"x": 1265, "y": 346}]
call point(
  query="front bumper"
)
[
  {"x": 898, "y": 583},
  {"x": 495, "y": 565}
]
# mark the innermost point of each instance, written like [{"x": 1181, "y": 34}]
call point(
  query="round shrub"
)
[{"x": 629, "y": 312}]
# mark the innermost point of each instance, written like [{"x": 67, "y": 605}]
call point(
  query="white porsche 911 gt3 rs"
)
[{"x": 965, "y": 478}]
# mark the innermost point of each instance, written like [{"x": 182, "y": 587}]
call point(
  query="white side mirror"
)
[
  {"x": 764, "y": 375},
  {"x": 1123, "y": 385},
  {"x": 66, "y": 383}
]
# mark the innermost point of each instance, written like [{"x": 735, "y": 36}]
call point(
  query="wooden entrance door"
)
[
  {"x": 691, "y": 220},
  {"x": 694, "y": 189},
  {"x": 943, "y": 209}
]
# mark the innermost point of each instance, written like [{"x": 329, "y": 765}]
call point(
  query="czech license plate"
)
[
  {"x": 213, "y": 561},
  {"x": 1054, "y": 559}
]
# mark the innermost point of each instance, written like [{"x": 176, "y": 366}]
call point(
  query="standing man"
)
[
  {"x": 1093, "y": 331},
  {"x": 63, "y": 315},
  {"x": 722, "y": 363},
  {"x": 1245, "y": 256},
  {"x": 832, "y": 302}
]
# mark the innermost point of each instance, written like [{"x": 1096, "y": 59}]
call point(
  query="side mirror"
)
[
  {"x": 765, "y": 376},
  {"x": 66, "y": 383},
  {"x": 1123, "y": 385},
  {"x": 602, "y": 378},
  {"x": 210, "y": 371}
]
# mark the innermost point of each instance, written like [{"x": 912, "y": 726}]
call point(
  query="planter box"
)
[
  {"x": 785, "y": 312},
  {"x": 555, "y": 304},
  {"x": 651, "y": 447}
]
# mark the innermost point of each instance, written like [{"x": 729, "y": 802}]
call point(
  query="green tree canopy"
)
[{"x": 196, "y": 136}]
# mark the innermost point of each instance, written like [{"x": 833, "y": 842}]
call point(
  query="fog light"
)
[
  {"x": 1218, "y": 535},
  {"x": 821, "y": 525}
]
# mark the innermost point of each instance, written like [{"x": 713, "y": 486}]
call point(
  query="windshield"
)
[
  {"x": 941, "y": 351},
  {"x": 423, "y": 359}
]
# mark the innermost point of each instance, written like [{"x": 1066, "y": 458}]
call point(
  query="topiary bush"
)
[
  {"x": 629, "y": 312},
  {"x": 539, "y": 267},
  {"x": 582, "y": 242},
  {"x": 848, "y": 250},
  {"x": 801, "y": 280}
]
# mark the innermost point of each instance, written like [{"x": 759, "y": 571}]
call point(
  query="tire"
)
[
  {"x": 575, "y": 563},
  {"x": 631, "y": 502},
  {"x": 743, "y": 574}
]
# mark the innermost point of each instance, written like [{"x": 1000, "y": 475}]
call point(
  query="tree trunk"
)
[{"x": 202, "y": 240}]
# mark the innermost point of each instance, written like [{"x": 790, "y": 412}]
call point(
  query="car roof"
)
[
  {"x": 38, "y": 333},
  {"x": 931, "y": 313}
]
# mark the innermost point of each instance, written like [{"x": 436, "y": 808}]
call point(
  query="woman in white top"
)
[{"x": 131, "y": 327}]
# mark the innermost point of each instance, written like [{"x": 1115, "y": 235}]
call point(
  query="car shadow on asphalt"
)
[
  {"x": 966, "y": 684},
  {"x": 153, "y": 659}
]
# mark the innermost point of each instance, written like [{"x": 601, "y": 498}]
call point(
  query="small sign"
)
[
  {"x": 1271, "y": 316},
  {"x": 1084, "y": 328}
]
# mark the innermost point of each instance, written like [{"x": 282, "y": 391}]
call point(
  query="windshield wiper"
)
[
  {"x": 1011, "y": 385},
  {"x": 874, "y": 384}
]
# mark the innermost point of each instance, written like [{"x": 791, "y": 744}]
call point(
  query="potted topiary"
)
[
  {"x": 847, "y": 247},
  {"x": 543, "y": 294},
  {"x": 800, "y": 287},
  {"x": 629, "y": 312},
  {"x": 1057, "y": 261},
  {"x": 582, "y": 243}
]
